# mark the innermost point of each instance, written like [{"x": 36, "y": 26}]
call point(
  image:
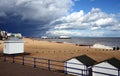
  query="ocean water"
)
[{"x": 112, "y": 41}]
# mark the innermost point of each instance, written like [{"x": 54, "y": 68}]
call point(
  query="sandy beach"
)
[{"x": 63, "y": 51}]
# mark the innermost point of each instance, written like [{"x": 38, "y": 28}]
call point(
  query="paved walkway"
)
[{"x": 14, "y": 69}]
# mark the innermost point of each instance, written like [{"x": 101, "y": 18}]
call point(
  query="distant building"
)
[
  {"x": 64, "y": 37},
  {"x": 80, "y": 65},
  {"x": 8, "y": 34},
  {"x": 18, "y": 35},
  {"x": 4, "y": 35},
  {"x": 101, "y": 46},
  {"x": 110, "y": 67},
  {"x": 44, "y": 37},
  {"x": 13, "y": 45},
  {"x": 107, "y": 45}
]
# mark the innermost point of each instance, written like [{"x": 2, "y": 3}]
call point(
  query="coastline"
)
[
  {"x": 64, "y": 51},
  {"x": 86, "y": 40}
]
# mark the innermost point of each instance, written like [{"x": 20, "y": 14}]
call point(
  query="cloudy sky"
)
[{"x": 76, "y": 18}]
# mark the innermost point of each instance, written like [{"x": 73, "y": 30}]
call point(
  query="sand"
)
[
  {"x": 20, "y": 70},
  {"x": 63, "y": 51}
]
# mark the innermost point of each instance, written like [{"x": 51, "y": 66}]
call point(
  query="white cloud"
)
[
  {"x": 93, "y": 34},
  {"x": 105, "y": 21},
  {"x": 95, "y": 28},
  {"x": 42, "y": 10},
  {"x": 76, "y": 0},
  {"x": 114, "y": 28},
  {"x": 75, "y": 33},
  {"x": 95, "y": 22},
  {"x": 64, "y": 33}
]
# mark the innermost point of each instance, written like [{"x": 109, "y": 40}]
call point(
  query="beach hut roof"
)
[
  {"x": 86, "y": 60},
  {"x": 115, "y": 62},
  {"x": 14, "y": 39}
]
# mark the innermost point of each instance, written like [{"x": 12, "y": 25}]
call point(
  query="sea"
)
[{"x": 110, "y": 41}]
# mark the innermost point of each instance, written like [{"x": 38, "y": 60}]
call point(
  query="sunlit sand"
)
[{"x": 64, "y": 51}]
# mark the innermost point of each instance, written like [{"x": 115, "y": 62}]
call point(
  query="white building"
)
[
  {"x": 106, "y": 45},
  {"x": 101, "y": 46},
  {"x": 44, "y": 37},
  {"x": 13, "y": 46},
  {"x": 64, "y": 37},
  {"x": 79, "y": 66},
  {"x": 8, "y": 34},
  {"x": 110, "y": 67},
  {"x": 3, "y": 35}
]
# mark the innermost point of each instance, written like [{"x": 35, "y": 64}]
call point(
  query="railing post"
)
[
  {"x": 119, "y": 72},
  {"x": 90, "y": 71},
  {"x": 82, "y": 72},
  {"x": 13, "y": 59},
  {"x": 34, "y": 62},
  {"x": 86, "y": 71},
  {"x": 22, "y": 60},
  {"x": 65, "y": 70},
  {"x": 48, "y": 64},
  {"x": 4, "y": 58}
]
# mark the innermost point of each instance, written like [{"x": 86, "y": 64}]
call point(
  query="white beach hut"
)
[
  {"x": 13, "y": 46},
  {"x": 110, "y": 67},
  {"x": 80, "y": 65}
]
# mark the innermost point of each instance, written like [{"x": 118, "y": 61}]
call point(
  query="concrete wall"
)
[
  {"x": 111, "y": 69},
  {"x": 13, "y": 48},
  {"x": 70, "y": 63}
]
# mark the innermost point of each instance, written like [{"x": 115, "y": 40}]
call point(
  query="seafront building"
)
[{"x": 106, "y": 45}]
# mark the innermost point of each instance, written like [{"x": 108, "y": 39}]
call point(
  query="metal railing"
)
[{"x": 52, "y": 65}]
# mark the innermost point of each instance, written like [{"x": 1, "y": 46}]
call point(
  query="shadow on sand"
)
[{"x": 10, "y": 55}]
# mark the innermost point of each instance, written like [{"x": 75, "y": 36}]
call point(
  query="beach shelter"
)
[
  {"x": 13, "y": 45},
  {"x": 80, "y": 65},
  {"x": 110, "y": 67},
  {"x": 106, "y": 45}
]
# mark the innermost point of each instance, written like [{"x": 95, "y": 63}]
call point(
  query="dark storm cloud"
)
[
  {"x": 31, "y": 17},
  {"x": 27, "y": 28}
]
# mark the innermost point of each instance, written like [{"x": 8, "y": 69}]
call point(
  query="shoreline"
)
[
  {"x": 86, "y": 41},
  {"x": 63, "y": 42},
  {"x": 64, "y": 51}
]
